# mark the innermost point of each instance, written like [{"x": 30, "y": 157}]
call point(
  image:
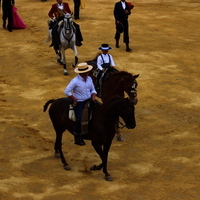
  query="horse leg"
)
[
  {"x": 58, "y": 147},
  {"x": 64, "y": 62},
  {"x": 117, "y": 132},
  {"x": 98, "y": 149},
  {"x": 58, "y": 55},
  {"x": 76, "y": 56},
  {"x": 106, "y": 150},
  {"x": 104, "y": 157}
]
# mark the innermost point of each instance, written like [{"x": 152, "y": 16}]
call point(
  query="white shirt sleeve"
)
[
  {"x": 99, "y": 62},
  {"x": 112, "y": 61}
]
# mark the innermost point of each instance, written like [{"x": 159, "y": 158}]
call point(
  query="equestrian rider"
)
[
  {"x": 104, "y": 61},
  {"x": 80, "y": 90},
  {"x": 56, "y": 14}
]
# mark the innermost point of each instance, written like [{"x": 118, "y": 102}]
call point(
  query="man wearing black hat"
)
[
  {"x": 121, "y": 12},
  {"x": 104, "y": 61}
]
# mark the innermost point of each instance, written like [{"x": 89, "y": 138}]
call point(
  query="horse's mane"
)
[
  {"x": 108, "y": 102},
  {"x": 122, "y": 73}
]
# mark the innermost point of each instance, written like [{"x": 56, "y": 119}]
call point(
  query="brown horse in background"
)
[
  {"x": 101, "y": 126},
  {"x": 115, "y": 84}
]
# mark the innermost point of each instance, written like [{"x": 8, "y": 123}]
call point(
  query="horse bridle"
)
[
  {"x": 133, "y": 89},
  {"x": 68, "y": 27}
]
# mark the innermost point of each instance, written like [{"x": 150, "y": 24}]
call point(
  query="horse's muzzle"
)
[{"x": 131, "y": 126}]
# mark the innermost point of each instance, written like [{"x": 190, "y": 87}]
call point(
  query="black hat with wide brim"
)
[
  {"x": 120, "y": 27},
  {"x": 105, "y": 47}
]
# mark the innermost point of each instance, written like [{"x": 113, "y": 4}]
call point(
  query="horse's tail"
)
[
  {"x": 47, "y": 104},
  {"x": 49, "y": 37}
]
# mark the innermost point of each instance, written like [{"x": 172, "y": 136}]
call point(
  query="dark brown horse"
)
[
  {"x": 117, "y": 83},
  {"x": 101, "y": 126}
]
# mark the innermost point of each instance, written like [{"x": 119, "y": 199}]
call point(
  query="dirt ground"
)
[{"x": 158, "y": 160}]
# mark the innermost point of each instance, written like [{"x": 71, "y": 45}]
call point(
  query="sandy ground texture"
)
[{"x": 158, "y": 160}]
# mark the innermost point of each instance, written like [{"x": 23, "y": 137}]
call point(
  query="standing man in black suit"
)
[
  {"x": 7, "y": 13},
  {"x": 121, "y": 13}
]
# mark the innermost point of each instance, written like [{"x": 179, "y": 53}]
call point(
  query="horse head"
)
[
  {"x": 131, "y": 87},
  {"x": 67, "y": 23},
  {"x": 116, "y": 107},
  {"x": 127, "y": 113}
]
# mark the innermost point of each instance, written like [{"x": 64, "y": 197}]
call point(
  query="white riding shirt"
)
[
  {"x": 80, "y": 89},
  {"x": 106, "y": 59}
]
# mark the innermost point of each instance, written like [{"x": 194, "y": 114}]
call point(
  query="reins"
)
[
  {"x": 67, "y": 27},
  {"x": 123, "y": 125}
]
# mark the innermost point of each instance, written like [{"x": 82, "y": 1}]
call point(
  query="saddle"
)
[{"x": 86, "y": 117}]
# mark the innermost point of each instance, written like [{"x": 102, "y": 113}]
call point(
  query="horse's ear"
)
[{"x": 135, "y": 76}]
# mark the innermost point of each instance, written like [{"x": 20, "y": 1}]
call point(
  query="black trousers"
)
[
  {"x": 126, "y": 34},
  {"x": 7, "y": 14},
  {"x": 78, "y": 109},
  {"x": 77, "y": 4}
]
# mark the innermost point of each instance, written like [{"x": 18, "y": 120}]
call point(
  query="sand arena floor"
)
[{"x": 158, "y": 160}]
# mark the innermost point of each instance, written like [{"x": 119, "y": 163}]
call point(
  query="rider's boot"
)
[{"x": 78, "y": 140}]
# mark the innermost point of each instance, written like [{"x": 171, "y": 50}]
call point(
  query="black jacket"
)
[
  {"x": 119, "y": 12},
  {"x": 7, "y": 3}
]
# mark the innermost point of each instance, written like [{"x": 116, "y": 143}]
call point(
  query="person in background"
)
[
  {"x": 7, "y": 13},
  {"x": 121, "y": 13},
  {"x": 77, "y": 4},
  {"x": 80, "y": 90}
]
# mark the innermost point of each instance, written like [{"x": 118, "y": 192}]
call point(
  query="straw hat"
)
[{"x": 82, "y": 68}]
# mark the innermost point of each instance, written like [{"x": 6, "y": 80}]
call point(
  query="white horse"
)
[{"x": 67, "y": 33}]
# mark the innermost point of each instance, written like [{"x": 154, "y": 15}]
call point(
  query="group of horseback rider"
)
[{"x": 81, "y": 88}]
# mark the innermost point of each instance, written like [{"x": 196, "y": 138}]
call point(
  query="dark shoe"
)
[
  {"x": 10, "y": 30},
  {"x": 79, "y": 141},
  {"x": 128, "y": 49}
]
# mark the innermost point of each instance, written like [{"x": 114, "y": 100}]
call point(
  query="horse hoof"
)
[
  {"x": 67, "y": 167},
  {"x": 120, "y": 138},
  {"x": 57, "y": 155},
  {"x": 65, "y": 73},
  {"x": 94, "y": 167},
  {"x": 108, "y": 178},
  {"x": 60, "y": 62}
]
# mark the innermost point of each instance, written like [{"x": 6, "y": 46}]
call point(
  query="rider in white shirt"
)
[
  {"x": 104, "y": 61},
  {"x": 80, "y": 90}
]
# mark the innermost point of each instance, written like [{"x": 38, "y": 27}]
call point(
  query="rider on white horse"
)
[{"x": 56, "y": 14}]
